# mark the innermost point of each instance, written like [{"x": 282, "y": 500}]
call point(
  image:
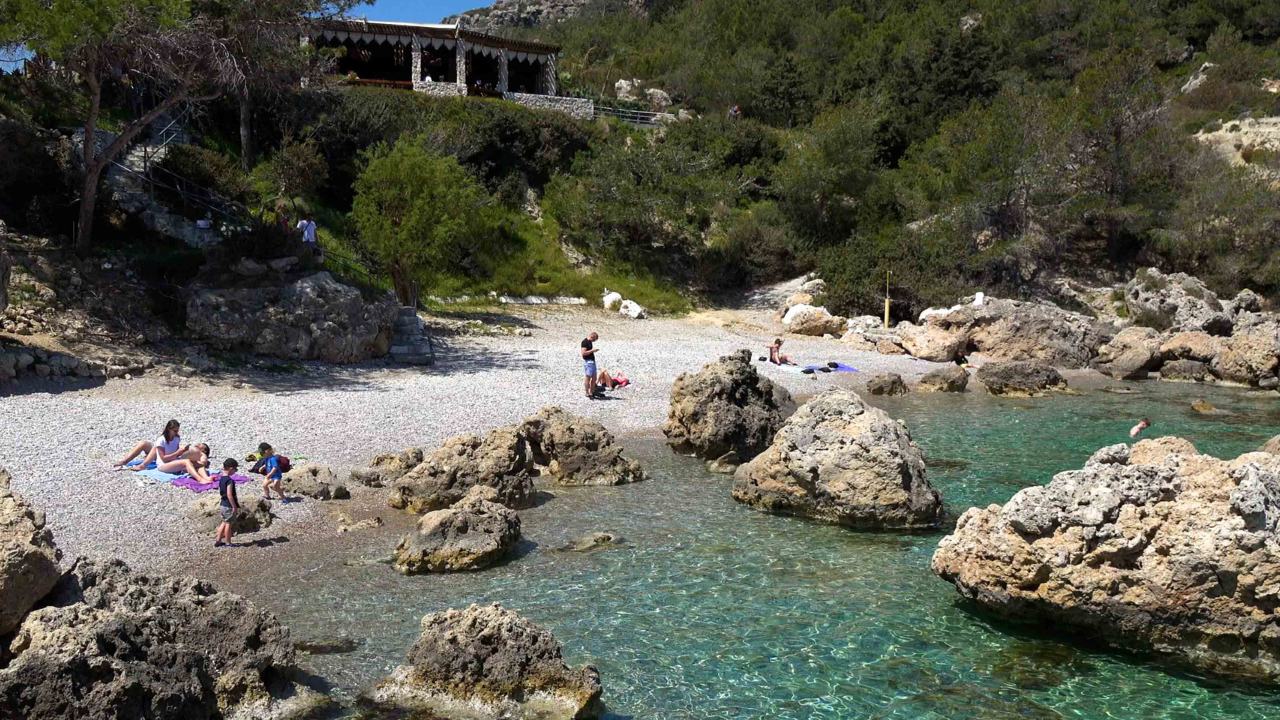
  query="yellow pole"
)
[{"x": 887, "y": 301}]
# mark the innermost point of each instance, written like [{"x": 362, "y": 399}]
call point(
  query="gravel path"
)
[{"x": 59, "y": 445}]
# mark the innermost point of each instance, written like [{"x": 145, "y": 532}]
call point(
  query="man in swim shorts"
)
[{"x": 588, "y": 353}]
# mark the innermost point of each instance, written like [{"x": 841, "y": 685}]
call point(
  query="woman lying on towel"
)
[
  {"x": 611, "y": 382},
  {"x": 194, "y": 462}
]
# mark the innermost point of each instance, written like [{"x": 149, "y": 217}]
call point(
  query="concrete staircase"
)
[{"x": 410, "y": 341}]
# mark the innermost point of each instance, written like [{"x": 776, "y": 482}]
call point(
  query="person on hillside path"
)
[
  {"x": 307, "y": 227},
  {"x": 229, "y": 502},
  {"x": 588, "y": 353}
]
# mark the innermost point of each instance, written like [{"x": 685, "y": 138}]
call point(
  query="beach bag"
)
[{"x": 285, "y": 464}]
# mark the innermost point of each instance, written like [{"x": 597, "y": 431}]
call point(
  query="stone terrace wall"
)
[
  {"x": 438, "y": 89},
  {"x": 579, "y": 108}
]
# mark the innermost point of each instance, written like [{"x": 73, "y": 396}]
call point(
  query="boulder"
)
[
  {"x": 633, "y": 310},
  {"x": 248, "y": 267},
  {"x": 490, "y": 662},
  {"x": 109, "y": 643},
  {"x": 1177, "y": 302},
  {"x": 725, "y": 464},
  {"x": 809, "y": 320},
  {"x": 311, "y": 318},
  {"x": 1249, "y": 355},
  {"x": 1193, "y": 345},
  {"x": 1154, "y": 548},
  {"x": 627, "y": 89},
  {"x": 1020, "y": 379},
  {"x": 1184, "y": 371},
  {"x": 659, "y": 100},
  {"x": 886, "y": 384},
  {"x": 28, "y": 557},
  {"x": 1015, "y": 330},
  {"x": 725, "y": 406},
  {"x": 888, "y": 346},
  {"x": 573, "y": 450},
  {"x": 932, "y": 342},
  {"x": 1245, "y": 301},
  {"x": 501, "y": 460},
  {"x": 842, "y": 461},
  {"x": 800, "y": 298},
  {"x": 315, "y": 481},
  {"x": 951, "y": 378},
  {"x": 254, "y": 515},
  {"x": 611, "y": 300},
  {"x": 387, "y": 468},
  {"x": 474, "y": 534},
  {"x": 1131, "y": 354},
  {"x": 1271, "y": 446}
]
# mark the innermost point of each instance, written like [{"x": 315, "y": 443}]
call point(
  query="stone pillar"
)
[
  {"x": 550, "y": 85},
  {"x": 416, "y": 63},
  {"x": 304, "y": 42},
  {"x": 504, "y": 72},
  {"x": 461, "y": 49}
]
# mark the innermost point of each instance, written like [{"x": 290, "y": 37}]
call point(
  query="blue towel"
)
[{"x": 152, "y": 475}]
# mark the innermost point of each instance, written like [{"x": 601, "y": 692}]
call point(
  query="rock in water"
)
[
  {"x": 1177, "y": 302},
  {"x": 489, "y": 662},
  {"x": 591, "y": 542},
  {"x": 1020, "y": 379},
  {"x": 573, "y": 450},
  {"x": 1131, "y": 354},
  {"x": 1011, "y": 330},
  {"x": 725, "y": 406},
  {"x": 315, "y": 481},
  {"x": 312, "y": 318},
  {"x": 387, "y": 468},
  {"x": 28, "y": 557},
  {"x": 952, "y": 378},
  {"x": 113, "y": 644},
  {"x": 886, "y": 384},
  {"x": 501, "y": 460},
  {"x": 1204, "y": 407},
  {"x": 1197, "y": 346},
  {"x": 842, "y": 461},
  {"x": 1184, "y": 371},
  {"x": 1250, "y": 355},
  {"x": 473, "y": 534},
  {"x": 1152, "y": 548}
]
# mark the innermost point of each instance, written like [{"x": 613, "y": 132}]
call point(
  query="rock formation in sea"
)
[
  {"x": 387, "y": 468},
  {"x": 886, "y": 384},
  {"x": 473, "y": 534},
  {"x": 312, "y": 318},
  {"x": 1021, "y": 379},
  {"x": 501, "y": 460},
  {"x": 1131, "y": 354},
  {"x": 28, "y": 557},
  {"x": 842, "y": 461},
  {"x": 1154, "y": 547},
  {"x": 573, "y": 450},
  {"x": 951, "y": 378},
  {"x": 489, "y": 662},
  {"x": 727, "y": 406}
]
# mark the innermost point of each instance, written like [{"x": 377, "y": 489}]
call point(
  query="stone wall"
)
[
  {"x": 438, "y": 89},
  {"x": 579, "y": 108}
]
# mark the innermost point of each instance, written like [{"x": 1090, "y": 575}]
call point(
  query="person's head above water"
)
[{"x": 1145, "y": 422}]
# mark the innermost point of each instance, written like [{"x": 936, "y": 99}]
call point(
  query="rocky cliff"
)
[{"x": 531, "y": 13}]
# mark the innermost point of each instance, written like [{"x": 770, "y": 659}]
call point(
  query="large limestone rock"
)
[
  {"x": 255, "y": 513},
  {"x": 1177, "y": 302},
  {"x": 500, "y": 460},
  {"x": 842, "y": 461},
  {"x": 387, "y": 468},
  {"x": 886, "y": 384},
  {"x": 1131, "y": 354},
  {"x": 1250, "y": 355},
  {"x": 112, "y": 644},
  {"x": 473, "y": 534},
  {"x": 489, "y": 662},
  {"x": 1021, "y": 379},
  {"x": 809, "y": 320},
  {"x": 1154, "y": 548},
  {"x": 1193, "y": 345},
  {"x": 951, "y": 378},
  {"x": 28, "y": 557},
  {"x": 315, "y": 481},
  {"x": 1272, "y": 446},
  {"x": 312, "y": 318},
  {"x": 931, "y": 342},
  {"x": 726, "y": 406},
  {"x": 1015, "y": 330},
  {"x": 1184, "y": 371},
  {"x": 573, "y": 450}
]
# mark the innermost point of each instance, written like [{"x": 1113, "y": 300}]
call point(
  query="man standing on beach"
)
[{"x": 589, "y": 364}]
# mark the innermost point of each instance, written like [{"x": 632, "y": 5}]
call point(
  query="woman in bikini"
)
[
  {"x": 194, "y": 462},
  {"x": 163, "y": 449}
]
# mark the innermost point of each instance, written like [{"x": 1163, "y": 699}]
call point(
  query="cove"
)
[{"x": 712, "y": 610}]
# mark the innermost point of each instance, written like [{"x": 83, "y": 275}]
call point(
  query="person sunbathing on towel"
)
[
  {"x": 194, "y": 462},
  {"x": 611, "y": 382},
  {"x": 165, "y": 448},
  {"x": 775, "y": 354}
]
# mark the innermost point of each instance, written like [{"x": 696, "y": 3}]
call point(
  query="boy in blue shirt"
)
[{"x": 269, "y": 466}]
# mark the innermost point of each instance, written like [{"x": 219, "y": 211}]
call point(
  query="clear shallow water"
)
[{"x": 712, "y": 610}]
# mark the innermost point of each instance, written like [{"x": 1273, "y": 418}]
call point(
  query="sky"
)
[{"x": 422, "y": 11}]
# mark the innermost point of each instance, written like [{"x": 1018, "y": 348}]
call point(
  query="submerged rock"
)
[
  {"x": 726, "y": 406},
  {"x": 501, "y": 460},
  {"x": 952, "y": 378},
  {"x": 1020, "y": 379},
  {"x": 1153, "y": 548},
  {"x": 591, "y": 542},
  {"x": 489, "y": 662},
  {"x": 28, "y": 557},
  {"x": 886, "y": 384},
  {"x": 473, "y": 534},
  {"x": 726, "y": 464},
  {"x": 842, "y": 461},
  {"x": 573, "y": 450},
  {"x": 114, "y": 644},
  {"x": 387, "y": 468}
]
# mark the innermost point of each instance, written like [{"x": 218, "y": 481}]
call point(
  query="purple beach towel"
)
[{"x": 194, "y": 485}]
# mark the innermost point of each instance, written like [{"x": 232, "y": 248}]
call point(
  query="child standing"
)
[
  {"x": 230, "y": 502},
  {"x": 269, "y": 466}
]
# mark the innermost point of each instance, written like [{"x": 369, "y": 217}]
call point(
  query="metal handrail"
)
[{"x": 640, "y": 118}]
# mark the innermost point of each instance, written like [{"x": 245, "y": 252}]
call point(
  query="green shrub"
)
[{"x": 198, "y": 168}]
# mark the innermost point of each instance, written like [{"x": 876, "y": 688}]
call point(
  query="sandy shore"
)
[{"x": 59, "y": 442}]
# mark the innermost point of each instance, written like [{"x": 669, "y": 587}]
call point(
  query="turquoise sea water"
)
[{"x": 712, "y": 610}]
